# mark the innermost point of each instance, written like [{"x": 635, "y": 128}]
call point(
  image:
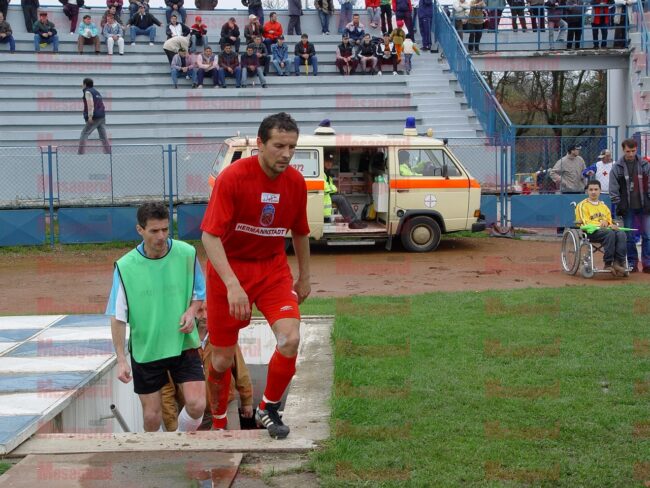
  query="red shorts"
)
[{"x": 268, "y": 284}]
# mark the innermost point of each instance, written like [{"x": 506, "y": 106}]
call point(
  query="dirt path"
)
[{"x": 65, "y": 281}]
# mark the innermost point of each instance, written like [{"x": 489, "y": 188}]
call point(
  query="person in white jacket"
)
[
  {"x": 622, "y": 14},
  {"x": 461, "y": 12},
  {"x": 113, "y": 32}
]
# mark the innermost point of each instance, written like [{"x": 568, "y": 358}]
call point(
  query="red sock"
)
[
  {"x": 281, "y": 370},
  {"x": 218, "y": 391}
]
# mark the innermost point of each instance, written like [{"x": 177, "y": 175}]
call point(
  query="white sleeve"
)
[{"x": 121, "y": 308}]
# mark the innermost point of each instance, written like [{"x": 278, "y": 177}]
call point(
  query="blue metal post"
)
[{"x": 50, "y": 191}]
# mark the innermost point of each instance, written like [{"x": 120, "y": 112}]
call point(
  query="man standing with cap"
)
[
  {"x": 95, "y": 116},
  {"x": 567, "y": 172}
]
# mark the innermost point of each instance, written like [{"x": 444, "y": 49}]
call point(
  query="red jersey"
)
[{"x": 252, "y": 213}]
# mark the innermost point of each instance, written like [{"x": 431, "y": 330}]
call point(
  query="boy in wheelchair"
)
[{"x": 593, "y": 211}]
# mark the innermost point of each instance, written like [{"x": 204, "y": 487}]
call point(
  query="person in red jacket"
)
[
  {"x": 199, "y": 33},
  {"x": 404, "y": 11},
  {"x": 374, "y": 12},
  {"x": 272, "y": 30}
]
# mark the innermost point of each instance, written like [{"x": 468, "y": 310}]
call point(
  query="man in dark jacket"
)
[
  {"x": 4, "y": 6},
  {"x": 6, "y": 34},
  {"x": 230, "y": 34},
  {"x": 346, "y": 62},
  {"x": 250, "y": 66},
  {"x": 255, "y": 8},
  {"x": 30, "y": 8},
  {"x": 175, "y": 7},
  {"x": 45, "y": 33},
  {"x": 295, "y": 12},
  {"x": 367, "y": 54},
  {"x": 630, "y": 192},
  {"x": 206, "y": 4},
  {"x": 305, "y": 54},
  {"x": 142, "y": 24},
  {"x": 229, "y": 66},
  {"x": 425, "y": 19},
  {"x": 174, "y": 29},
  {"x": 262, "y": 53},
  {"x": 94, "y": 115}
]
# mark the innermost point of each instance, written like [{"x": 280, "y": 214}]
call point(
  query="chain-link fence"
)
[
  {"x": 192, "y": 164},
  {"x": 482, "y": 158},
  {"x": 643, "y": 140},
  {"x": 24, "y": 180}
]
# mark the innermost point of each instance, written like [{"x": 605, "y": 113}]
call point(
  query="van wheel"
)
[{"x": 421, "y": 234}]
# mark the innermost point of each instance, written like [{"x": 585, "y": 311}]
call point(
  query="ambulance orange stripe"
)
[
  {"x": 423, "y": 183},
  {"x": 315, "y": 184}
]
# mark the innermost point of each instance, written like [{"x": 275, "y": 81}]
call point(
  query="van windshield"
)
[{"x": 219, "y": 159}]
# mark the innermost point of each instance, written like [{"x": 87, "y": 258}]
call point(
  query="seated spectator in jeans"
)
[
  {"x": 45, "y": 33},
  {"x": 386, "y": 54},
  {"x": 367, "y": 54},
  {"x": 230, "y": 34},
  {"x": 250, "y": 66},
  {"x": 6, "y": 34},
  {"x": 346, "y": 62},
  {"x": 113, "y": 32},
  {"x": 88, "y": 34},
  {"x": 111, "y": 11},
  {"x": 262, "y": 53},
  {"x": 592, "y": 211},
  {"x": 174, "y": 29},
  {"x": 199, "y": 33},
  {"x": 207, "y": 65},
  {"x": 182, "y": 66},
  {"x": 175, "y": 7},
  {"x": 142, "y": 24},
  {"x": 229, "y": 66},
  {"x": 280, "y": 57},
  {"x": 71, "y": 11},
  {"x": 118, "y": 7},
  {"x": 271, "y": 31},
  {"x": 304, "y": 54},
  {"x": 355, "y": 30},
  {"x": 135, "y": 4}
]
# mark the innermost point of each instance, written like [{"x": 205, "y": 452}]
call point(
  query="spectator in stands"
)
[
  {"x": 30, "y": 7},
  {"x": 600, "y": 170},
  {"x": 250, "y": 66},
  {"x": 325, "y": 10},
  {"x": 410, "y": 48},
  {"x": 252, "y": 29},
  {"x": 574, "y": 13},
  {"x": 118, "y": 6},
  {"x": 555, "y": 10},
  {"x": 387, "y": 54},
  {"x": 517, "y": 11},
  {"x": 630, "y": 192},
  {"x": 345, "y": 17},
  {"x": 112, "y": 11},
  {"x": 230, "y": 34},
  {"x": 71, "y": 11},
  {"x": 416, "y": 8},
  {"x": 183, "y": 67},
  {"x": 142, "y": 24},
  {"x": 198, "y": 33},
  {"x": 113, "y": 32},
  {"x": 88, "y": 34},
  {"x": 272, "y": 30},
  {"x": 206, "y": 4},
  {"x": 355, "y": 30},
  {"x": 475, "y": 25},
  {"x": 175, "y": 7},
  {"x": 134, "y": 5},
  {"x": 174, "y": 29},
  {"x": 4, "y": 6},
  {"x": 280, "y": 57},
  {"x": 425, "y": 11},
  {"x": 567, "y": 171},
  {"x": 404, "y": 12},
  {"x": 229, "y": 66},
  {"x": 386, "y": 16},
  {"x": 622, "y": 16},
  {"x": 461, "y": 14},
  {"x": 173, "y": 44},
  {"x": 207, "y": 64},
  {"x": 45, "y": 33},
  {"x": 374, "y": 13},
  {"x": 94, "y": 115},
  {"x": 255, "y": 8},
  {"x": 262, "y": 53},
  {"x": 346, "y": 61},
  {"x": 601, "y": 15},
  {"x": 6, "y": 34},
  {"x": 397, "y": 38},
  {"x": 536, "y": 10},
  {"x": 494, "y": 12},
  {"x": 367, "y": 54},
  {"x": 304, "y": 55},
  {"x": 295, "y": 12}
]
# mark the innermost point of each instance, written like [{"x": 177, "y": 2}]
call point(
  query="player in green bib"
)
[{"x": 158, "y": 288}]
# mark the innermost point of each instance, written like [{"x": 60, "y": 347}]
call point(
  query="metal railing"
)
[{"x": 644, "y": 33}]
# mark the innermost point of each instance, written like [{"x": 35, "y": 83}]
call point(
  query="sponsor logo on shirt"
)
[
  {"x": 261, "y": 231},
  {"x": 270, "y": 198},
  {"x": 286, "y": 308},
  {"x": 268, "y": 213}
]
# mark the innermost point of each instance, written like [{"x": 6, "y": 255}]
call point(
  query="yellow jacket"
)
[
  {"x": 588, "y": 212},
  {"x": 330, "y": 189}
]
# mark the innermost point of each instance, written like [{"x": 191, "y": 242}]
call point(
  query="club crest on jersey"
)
[
  {"x": 268, "y": 214},
  {"x": 270, "y": 198}
]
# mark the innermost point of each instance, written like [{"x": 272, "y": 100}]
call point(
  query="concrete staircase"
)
[
  {"x": 40, "y": 94},
  {"x": 639, "y": 83}
]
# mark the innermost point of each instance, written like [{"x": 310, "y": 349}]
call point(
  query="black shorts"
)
[{"x": 152, "y": 376}]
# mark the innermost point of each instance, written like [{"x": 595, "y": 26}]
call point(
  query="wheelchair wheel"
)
[
  {"x": 570, "y": 251},
  {"x": 587, "y": 265}
]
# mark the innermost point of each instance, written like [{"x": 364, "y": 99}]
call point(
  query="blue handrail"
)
[
  {"x": 642, "y": 28},
  {"x": 480, "y": 98}
]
